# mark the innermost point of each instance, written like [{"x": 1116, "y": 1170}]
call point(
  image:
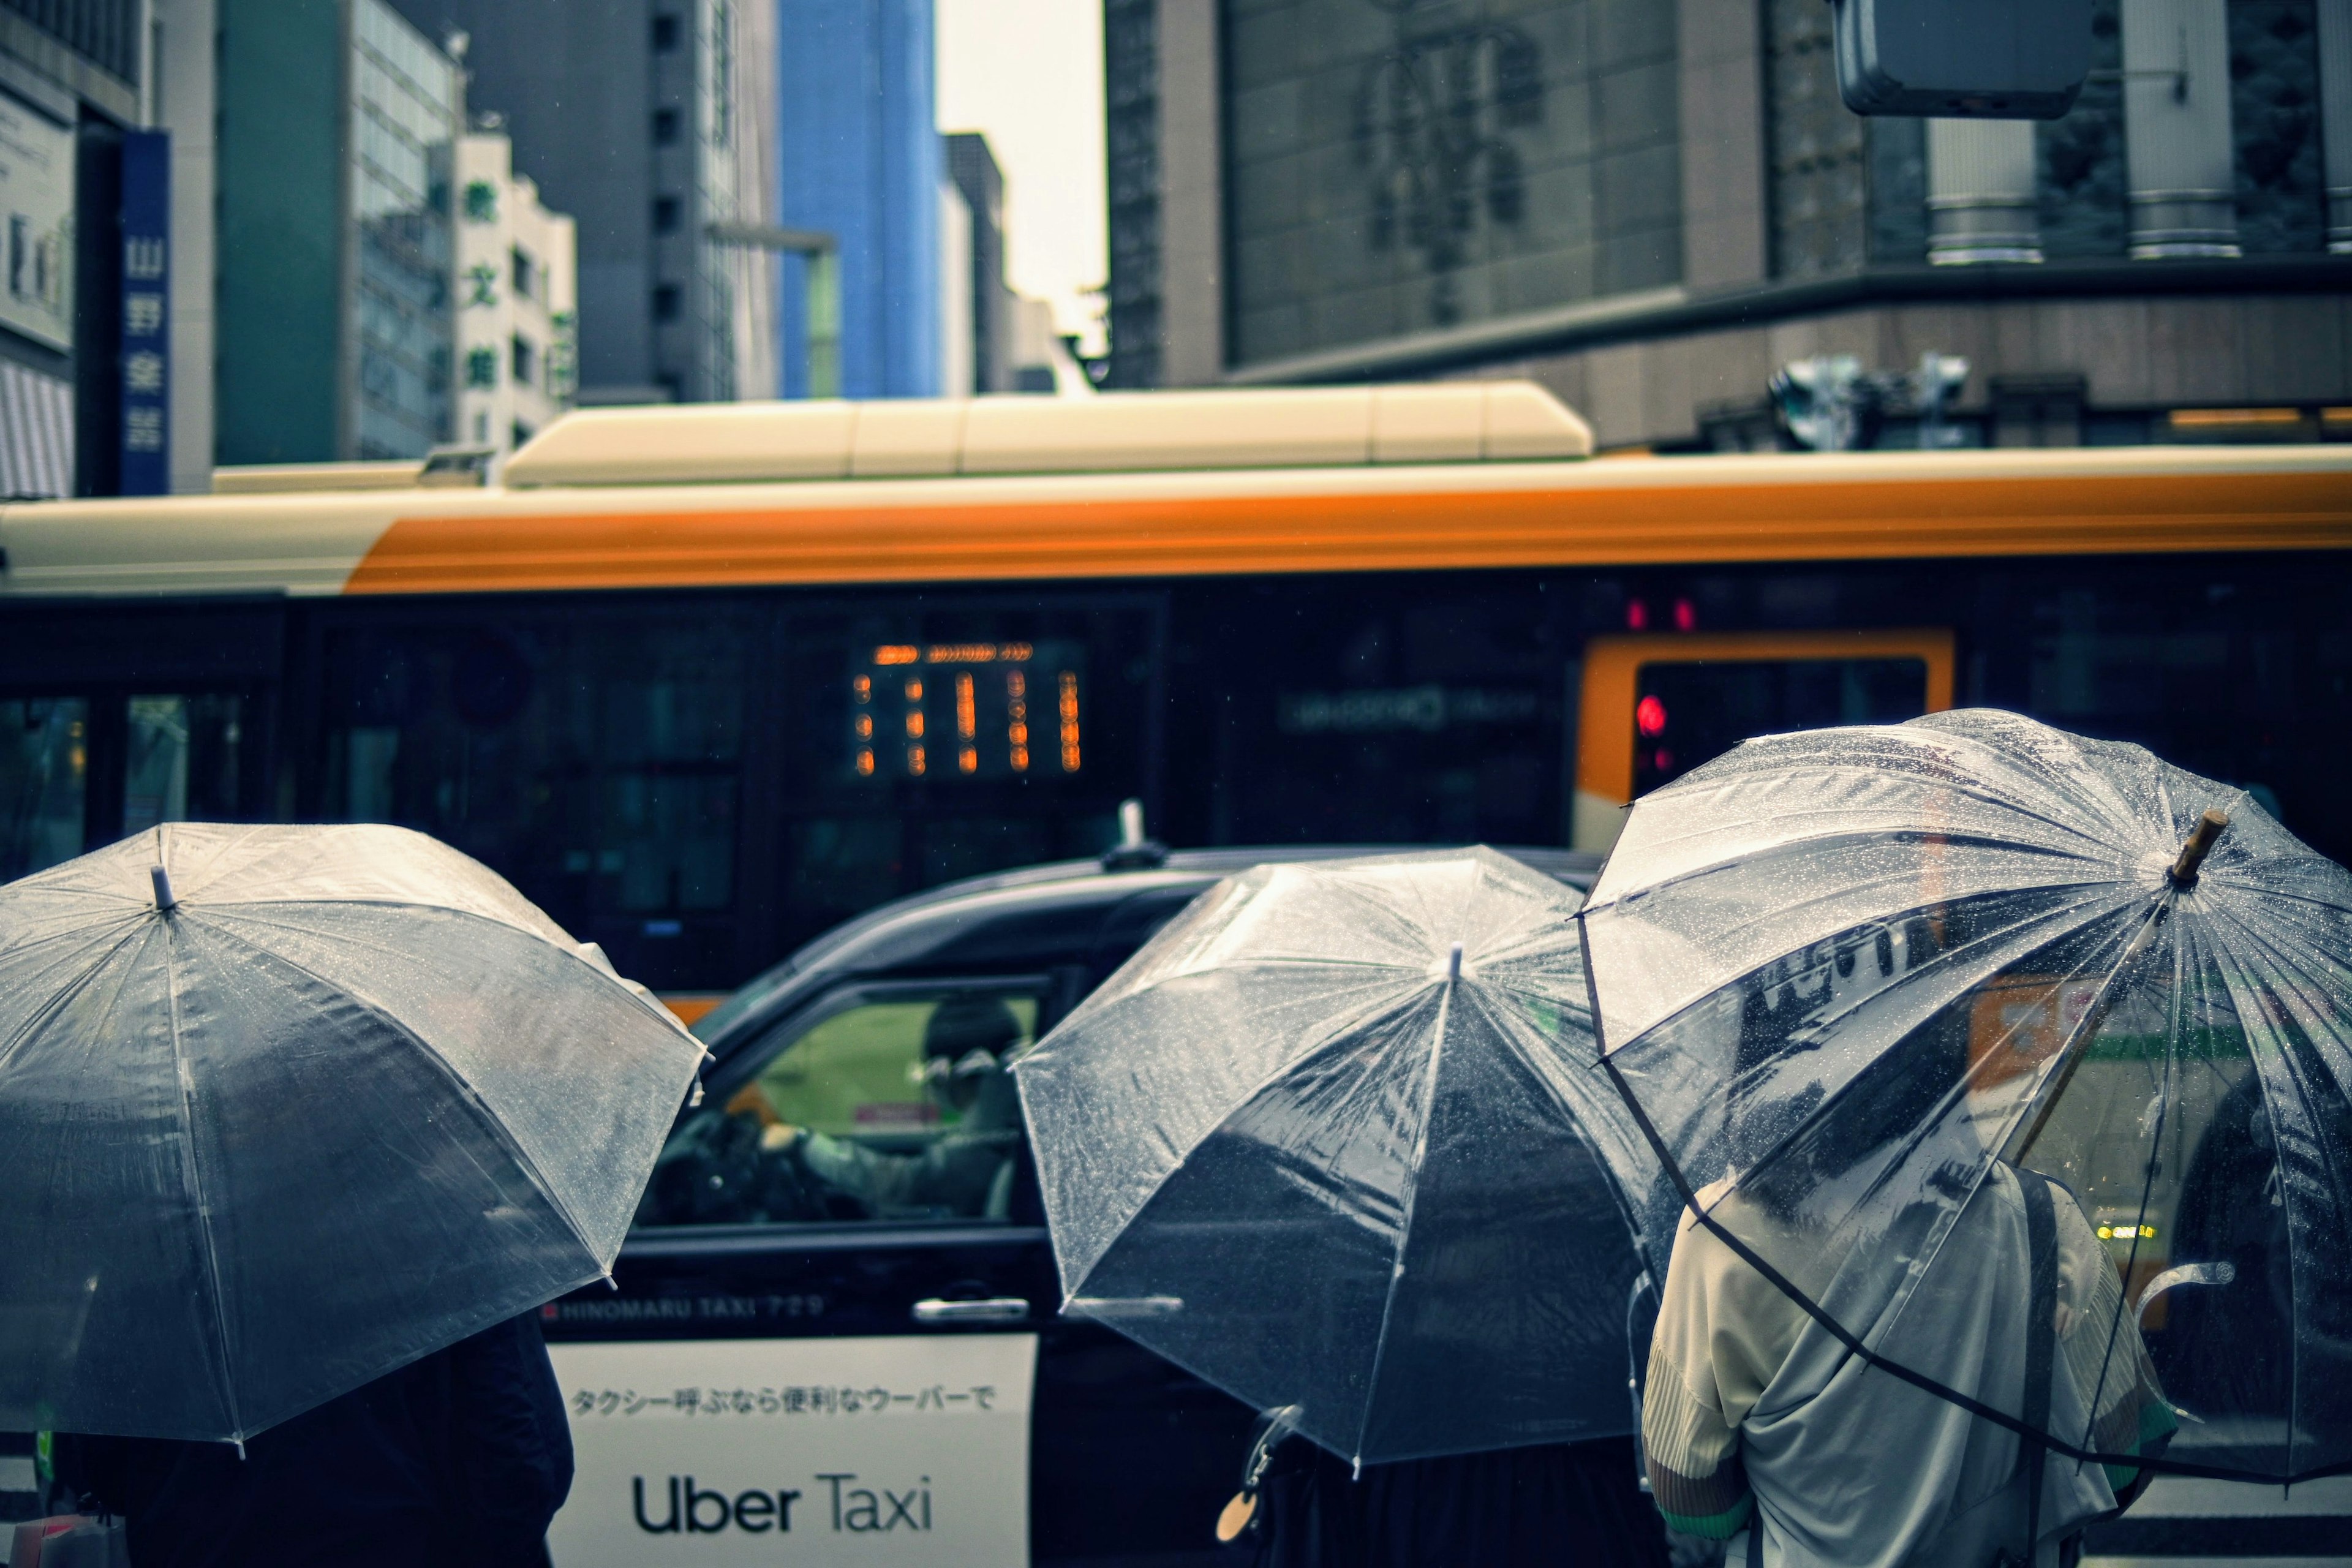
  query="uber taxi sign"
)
[{"x": 904, "y": 1450}]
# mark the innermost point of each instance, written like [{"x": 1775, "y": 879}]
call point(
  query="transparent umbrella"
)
[
  {"x": 1865, "y": 985},
  {"x": 1327, "y": 1140},
  {"x": 287, "y": 1108}
]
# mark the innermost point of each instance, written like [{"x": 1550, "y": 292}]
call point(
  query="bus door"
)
[
  {"x": 1656, "y": 707},
  {"x": 109, "y": 727}
]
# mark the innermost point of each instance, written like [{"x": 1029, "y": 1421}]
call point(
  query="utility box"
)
[{"x": 1959, "y": 59}]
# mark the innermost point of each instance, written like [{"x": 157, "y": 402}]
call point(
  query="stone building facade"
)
[{"x": 1651, "y": 205}]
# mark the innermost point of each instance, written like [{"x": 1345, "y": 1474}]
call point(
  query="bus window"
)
[
  {"x": 180, "y": 760},
  {"x": 44, "y": 782},
  {"x": 1656, "y": 707},
  {"x": 1686, "y": 713},
  {"x": 593, "y": 759}
]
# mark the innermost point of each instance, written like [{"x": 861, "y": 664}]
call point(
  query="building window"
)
[
  {"x": 521, "y": 432},
  {"x": 526, "y": 283},
  {"x": 664, "y": 33},
  {"x": 666, "y": 302},
  {"x": 482, "y": 367},
  {"x": 665, "y": 127},
  {"x": 666, "y": 215},
  {"x": 481, "y": 201},
  {"x": 526, "y": 362},
  {"x": 481, "y": 430}
]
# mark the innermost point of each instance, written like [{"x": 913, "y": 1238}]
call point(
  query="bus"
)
[{"x": 704, "y": 681}]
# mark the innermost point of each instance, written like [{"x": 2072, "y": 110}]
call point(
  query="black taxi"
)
[{"x": 834, "y": 1335}]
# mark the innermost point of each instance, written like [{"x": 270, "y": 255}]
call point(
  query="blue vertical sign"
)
[{"x": 146, "y": 312}]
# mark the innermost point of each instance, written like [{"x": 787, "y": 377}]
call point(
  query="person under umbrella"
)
[
  {"x": 292, "y": 1112},
  {"x": 1328, "y": 1141},
  {"x": 1927, "y": 1026}
]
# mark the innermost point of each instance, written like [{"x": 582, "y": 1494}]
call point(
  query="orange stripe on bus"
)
[{"x": 1597, "y": 526}]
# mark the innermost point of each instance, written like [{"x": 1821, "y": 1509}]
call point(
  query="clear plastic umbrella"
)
[
  {"x": 287, "y": 1108},
  {"x": 1326, "y": 1142},
  {"x": 1863, "y": 985}
]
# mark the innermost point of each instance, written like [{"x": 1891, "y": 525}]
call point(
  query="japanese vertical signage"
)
[{"x": 146, "y": 313}]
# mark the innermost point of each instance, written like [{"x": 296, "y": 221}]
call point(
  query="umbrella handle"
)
[{"x": 2201, "y": 842}]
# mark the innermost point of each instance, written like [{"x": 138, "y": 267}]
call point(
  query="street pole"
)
[{"x": 821, "y": 275}]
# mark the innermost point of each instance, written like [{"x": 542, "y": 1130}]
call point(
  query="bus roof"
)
[{"x": 593, "y": 515}]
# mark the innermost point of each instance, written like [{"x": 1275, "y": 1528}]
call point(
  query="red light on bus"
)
[
  {"x": 1650, "y": 716},
  {"x": 1637, "y": 616},
  {"x": 896, "y": 654},
  {"x": 1686, "y": 615}
]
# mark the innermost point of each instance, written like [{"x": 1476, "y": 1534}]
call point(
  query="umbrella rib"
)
[
  {"x": 1813, "y": 845},
  {"x": 1332, "y": 1036},
  {"x": 196, "y": 1179},
  {"x": 2335, "y": 1181},
  {"x": 466, "y": 1093},
  {"x": 1404, "y": 1216},
  {"x": 56, "y": 1004}
]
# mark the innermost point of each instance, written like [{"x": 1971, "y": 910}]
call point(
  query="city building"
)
[
  {"x": 859, "y": 158},
  {"x": 94, "y": 388},
  {"x": 972, "y": 167},
  {"x": 517, "y": 319},
  {"x": 650, "y": 122},
  {"x": 338, "y": 125},
  {"x": 1651, "y": 208},
  {"x": 959, "y": 362}
]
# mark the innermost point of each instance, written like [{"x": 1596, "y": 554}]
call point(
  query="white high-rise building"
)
[{"x": 518, "y": 331}]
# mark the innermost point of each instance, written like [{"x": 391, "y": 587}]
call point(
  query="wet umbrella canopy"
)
[
  {"x": 287, "y": 1108},
  {"x": 1322, "y": 1141},
  {"x": 1852, "y": 978}
]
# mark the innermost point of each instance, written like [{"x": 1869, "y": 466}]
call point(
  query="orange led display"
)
[{"x": 980, "y": 712}]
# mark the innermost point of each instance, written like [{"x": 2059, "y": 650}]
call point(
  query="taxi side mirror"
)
[{"x": 1977, "y": 59}]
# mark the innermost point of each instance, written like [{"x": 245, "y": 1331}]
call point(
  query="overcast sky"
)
[{"x": 1028, "y": 74}]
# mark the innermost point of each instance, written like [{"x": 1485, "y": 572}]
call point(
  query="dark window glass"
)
[
  {"x": 665, "y": 32},
  {"x": 595, "y": 761},
  {"x": 181, "y": 756},
  {"x": 665, "y": 210},
  {"x": 44, "y": 782},
  {"x": 1381, "y": 714},
  {"x": 666, "y": 302},
  {"x": 666, "y": 123},
  {"x": 526, "y": 362},
  {"x": 1685, "y": 714}
]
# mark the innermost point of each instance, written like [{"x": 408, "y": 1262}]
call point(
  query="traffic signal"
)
[{"x": 1955, "y": 60}]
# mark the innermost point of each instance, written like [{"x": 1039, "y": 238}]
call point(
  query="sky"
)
[{"x": 1028, "y": 75}]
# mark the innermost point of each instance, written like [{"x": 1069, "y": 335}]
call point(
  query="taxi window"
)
[{"x": 890, "y": 1107}]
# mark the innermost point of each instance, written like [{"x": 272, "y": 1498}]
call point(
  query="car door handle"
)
[{"x": 994, "y": 1310}]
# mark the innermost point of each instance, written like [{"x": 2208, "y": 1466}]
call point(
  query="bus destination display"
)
[{"x": 967, "y": 710}]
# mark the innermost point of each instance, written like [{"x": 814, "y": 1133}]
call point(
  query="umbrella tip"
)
[
  {"x": 162, "y": 881},
  {"x": 1454, "y": 962},
  {"x": 2200, "y": 843}
]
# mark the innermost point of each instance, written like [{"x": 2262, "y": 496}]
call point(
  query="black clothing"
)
[
  {"x": 1557, "y": 1505},
  {"x": 459, "y": 1458}
]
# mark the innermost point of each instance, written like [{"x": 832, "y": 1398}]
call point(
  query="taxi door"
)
[{"x": 834, "y": 1332}]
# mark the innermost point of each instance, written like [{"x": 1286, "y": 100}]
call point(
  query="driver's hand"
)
[{"x": 778, "y": 1135}]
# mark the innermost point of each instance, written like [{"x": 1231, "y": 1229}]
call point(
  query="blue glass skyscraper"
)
[{"x": 858, "y": 157}]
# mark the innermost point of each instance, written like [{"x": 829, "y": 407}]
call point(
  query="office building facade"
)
[
  {"x": 338, "y": 128},
  {"x": 859, "y": 158},
  {"x": 517, "y": 300},
  {"x": 88, "y": 401},
  {"x": 1652, "y": 207},
  {"x": 649, "y": 121},
  {"x": 972, "y": 164}
]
